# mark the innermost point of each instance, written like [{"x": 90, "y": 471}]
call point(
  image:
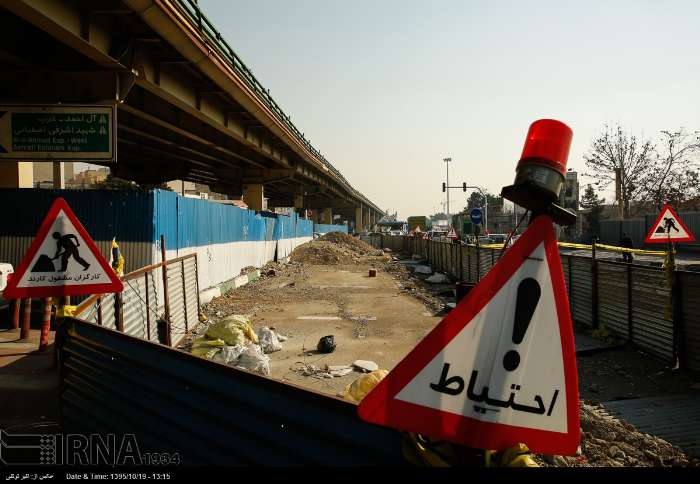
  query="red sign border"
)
[
  {"x": 13, "y": 292},
  {"x": 648, "y": 240},
  {"x": 380, "y": 406}
]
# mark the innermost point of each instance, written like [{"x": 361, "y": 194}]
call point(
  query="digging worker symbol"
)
[
  {"x": 70, "y": 249},
  {"x": 669, "y": 223}
]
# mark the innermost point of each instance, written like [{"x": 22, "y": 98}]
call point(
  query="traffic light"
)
[
  {"x": 464, "y": 186},
  {"x": 443, "y": 187}
]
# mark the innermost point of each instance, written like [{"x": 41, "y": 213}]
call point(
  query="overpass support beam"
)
[
  {"x": 18, "y": 174},
  {"x": 367, "y": 223},
  {"x": 327, "y": 216},
  {"x": 254, "y": 196},
  {"x": 358, "y": 219},
  {"x": 299, "y": 205}
]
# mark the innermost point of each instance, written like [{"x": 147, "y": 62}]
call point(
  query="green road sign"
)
[{"x": 58, "y": 132}]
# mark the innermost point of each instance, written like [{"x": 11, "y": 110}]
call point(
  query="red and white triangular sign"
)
[
  {"x": 669, "y": 228},
  {"x": 452, "y": 234},
  {"x": 501, "y": 367},
  {"x": 63, "y": 260}
]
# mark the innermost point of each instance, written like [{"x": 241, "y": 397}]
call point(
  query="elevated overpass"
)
[{"x": 187, "y": 106}]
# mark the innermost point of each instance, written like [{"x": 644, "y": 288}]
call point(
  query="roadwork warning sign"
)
[
  {"x": 62, "y": 261},
  {"x": 668, "y": 228},
  {"x": 500, "y": 368}
]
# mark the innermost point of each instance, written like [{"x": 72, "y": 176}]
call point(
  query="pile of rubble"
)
[
  {"x": 609, "y": 442},
  {"x": 352, "y": 243},
  {"x": 335, "y": 248}
]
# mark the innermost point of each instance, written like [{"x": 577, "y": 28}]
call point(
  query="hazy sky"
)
[{"x": 386, "y": 88}]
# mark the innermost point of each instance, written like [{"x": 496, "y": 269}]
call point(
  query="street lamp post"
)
[{"x": 447, "y": 166}]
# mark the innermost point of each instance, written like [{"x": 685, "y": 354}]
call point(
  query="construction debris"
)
[
  {"x": 365, "y": 365},
  {"x": 438, "y": 278},
  {"x": 335, "y": 248},
  {"x": 269, "y": 342}
]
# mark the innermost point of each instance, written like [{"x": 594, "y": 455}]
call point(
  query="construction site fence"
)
[
  {"x": 160, "y": 302},
  {"x": 656, "y": 310}
]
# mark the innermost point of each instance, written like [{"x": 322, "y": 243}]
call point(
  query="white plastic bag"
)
[
  {"x": 230, "y": 354},
  {"x": 268, "y": 340},
  {"x": 254, "y": 359}
]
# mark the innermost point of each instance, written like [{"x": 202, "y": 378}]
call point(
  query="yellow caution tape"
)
[
  {"x": 572, "y": 245},
  {"x": 630, "y": 251}
]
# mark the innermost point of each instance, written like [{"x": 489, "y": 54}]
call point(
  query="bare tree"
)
[
  {"x": 635, "y": 159},
  {"x": 677, "y": 168},
  {"x": 648, "y": 175}
]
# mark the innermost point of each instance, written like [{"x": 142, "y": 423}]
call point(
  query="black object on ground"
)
[{"x": 326, "y": 344}]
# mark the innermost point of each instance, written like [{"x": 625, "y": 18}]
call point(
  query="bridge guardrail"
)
[{"x": 209, "y": 32}]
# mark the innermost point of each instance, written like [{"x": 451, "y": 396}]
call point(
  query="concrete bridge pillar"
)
[
  {"x": 358, "y": 219},
  {"x": 366, "y": 219},
  {"x": 254, "y": 196},
  {"x": 18, "y": 174},
  {"x": 327, "y": 216},
  {"x": 299, "y": 202}
]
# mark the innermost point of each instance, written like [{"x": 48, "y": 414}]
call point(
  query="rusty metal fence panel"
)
[
  {"x": 651, "y": 331},
  {"x": 581, "y": 292},
  {"x": 177, "y": 299},
  {"x": 143, "y": 301},
  {"x": 140, "y": 313},
  {"x": 690, "y": 317},
  {"x": 613, "y": 298}
]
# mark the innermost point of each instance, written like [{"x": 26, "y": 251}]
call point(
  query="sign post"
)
[{"x": 58, "y": 132}]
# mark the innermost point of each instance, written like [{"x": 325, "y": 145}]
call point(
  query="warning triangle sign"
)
[
  {"x": 452, "y": 234},
  {"x": 501, "y": 367},
  {"x": 668, "y": 228},
  {"x": 62, "y": 261}
]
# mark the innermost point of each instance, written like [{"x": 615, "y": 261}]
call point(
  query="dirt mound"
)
[
  {"x": 352, "y": 243},
  {"x": 321, "y": 252},
  {"x": 335, "y": 248}
]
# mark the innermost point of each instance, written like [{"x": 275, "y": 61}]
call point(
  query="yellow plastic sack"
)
[
  {"x": 516, "y": 456},
  {"x": 233, "y": 330},
  {"x": 359, "y": 389},
  {"x": 207, "y": 348},
  {"x": 65, "y": 311}
]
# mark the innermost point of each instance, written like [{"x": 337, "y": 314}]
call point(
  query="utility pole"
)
[{"x": 447, "y": 165}]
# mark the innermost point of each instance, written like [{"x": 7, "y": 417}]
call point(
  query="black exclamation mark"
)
[{"x": 525, "y": 304}]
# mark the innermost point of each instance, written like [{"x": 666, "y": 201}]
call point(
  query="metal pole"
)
[
  {"x": 99, "y": 311},
  {"x": 166, "y": 300},
  {"x": 148, "y": 308},
  {"x": 447, "y": 165},
  {"x": 119, "y": 312}
]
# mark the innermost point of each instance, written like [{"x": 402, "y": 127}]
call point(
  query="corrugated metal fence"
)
[
  {"x": 634, "y": 302},
  {"x": 206, "y": 412},
  {"x": 141, "y": 309}
]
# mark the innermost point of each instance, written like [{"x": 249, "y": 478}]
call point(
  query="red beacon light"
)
[{"x": 541, "y": 171}]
